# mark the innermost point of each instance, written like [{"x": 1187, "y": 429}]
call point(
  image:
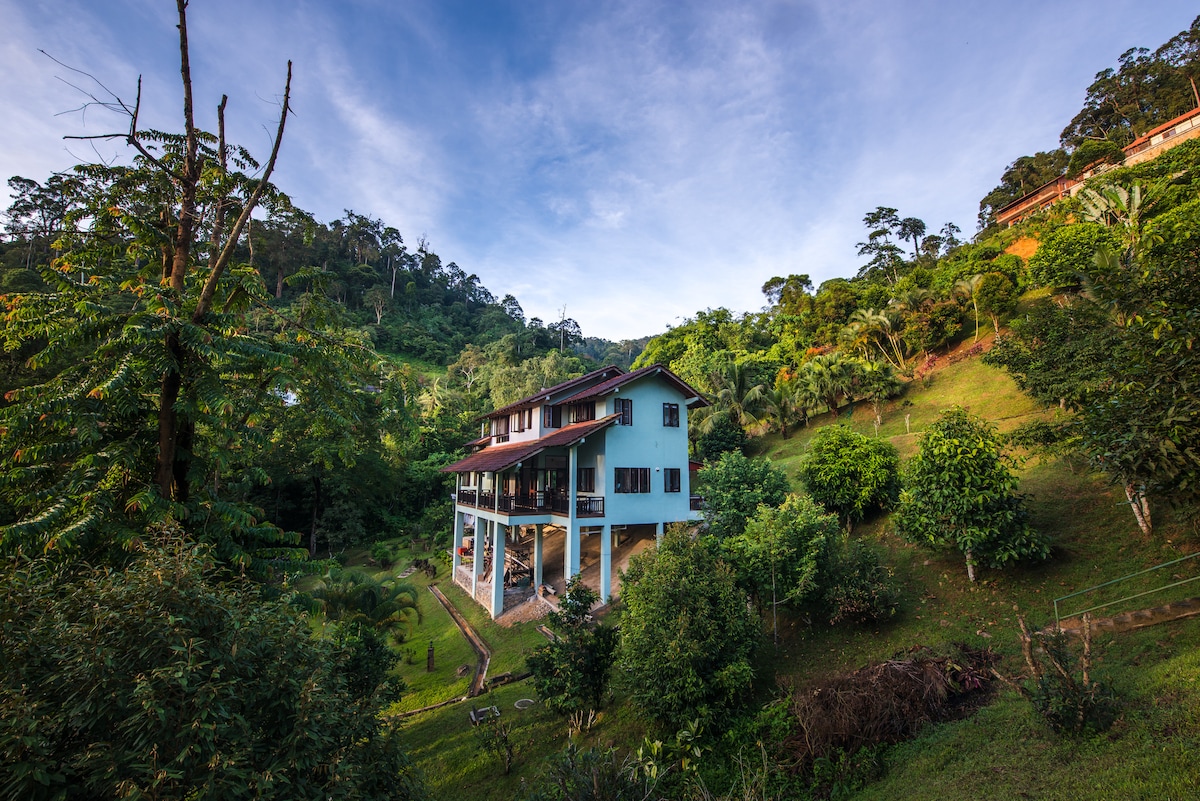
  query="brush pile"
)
[{"x": 887, "y": 702}]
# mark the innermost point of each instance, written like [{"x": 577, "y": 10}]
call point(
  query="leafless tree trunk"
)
[
  {"x": 174, "y": 439},
  {"x": 1140, "y": 505}
]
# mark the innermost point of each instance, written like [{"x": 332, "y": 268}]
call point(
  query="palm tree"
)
[
  {"x": 877, "y": 383},
  {"x": 351, "y": 597},
  {"x": 735, "y": 395},
  {"x": 832, "y": 377},
  {"x": 969, "y": 288},
  {"x": 778, "y": 403},
  {"x": 878, "y": 328}
]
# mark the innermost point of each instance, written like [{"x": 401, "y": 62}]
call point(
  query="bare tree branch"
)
[{"x": 210, "y": 285}]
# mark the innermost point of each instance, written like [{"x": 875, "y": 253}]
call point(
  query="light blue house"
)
[{"x": 599, "y": 456}]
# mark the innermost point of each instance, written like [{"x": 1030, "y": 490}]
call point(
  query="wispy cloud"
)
[{"x": 632, "y": 161}]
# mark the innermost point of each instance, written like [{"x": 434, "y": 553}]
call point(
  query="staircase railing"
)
[{"x": 1057, "y": 617}]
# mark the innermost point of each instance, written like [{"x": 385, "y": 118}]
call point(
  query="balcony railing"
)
[
  {"x": 589, "y": 506},
  {"x": 533, "y": 503}
]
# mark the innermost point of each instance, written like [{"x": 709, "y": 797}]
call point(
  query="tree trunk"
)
[
  {"x": 1140, "y": 506},
  {"x": 970, "y": 566},
  {"x": 168, "y": 421},
  {"x": 316, "y": 506}
]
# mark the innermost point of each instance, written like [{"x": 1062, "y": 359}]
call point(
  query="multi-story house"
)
[{"x": 595, "y": 458}]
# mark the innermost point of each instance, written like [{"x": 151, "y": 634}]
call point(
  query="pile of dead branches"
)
[{"x": 887, "y": 702}]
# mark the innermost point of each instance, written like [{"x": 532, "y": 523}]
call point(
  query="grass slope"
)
[{"x": 1005, "y": 751}]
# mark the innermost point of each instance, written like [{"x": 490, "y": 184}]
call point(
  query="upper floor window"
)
[
  {"x": 586, "y": 480},
  {"x": 551, "y": 417},
  {"x": 624, "y": 407},
  {"x": 632, "y": 479},
  {"x": 670, "y": 479},
  {"x": 582, "y": 412},
  {"x": 671, "y": 415}
]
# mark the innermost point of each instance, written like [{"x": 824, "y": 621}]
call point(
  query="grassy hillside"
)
[{"x": 1004, "y": 750}]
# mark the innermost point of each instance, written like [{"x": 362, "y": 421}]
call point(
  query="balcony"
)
[
  {"x": 589, "y": 506},
  {"x": 533, "y": 503}
]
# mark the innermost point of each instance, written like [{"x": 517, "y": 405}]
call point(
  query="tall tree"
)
[
  {"x": 959, "y": 491},
  {"x": 157, "y": 372}
]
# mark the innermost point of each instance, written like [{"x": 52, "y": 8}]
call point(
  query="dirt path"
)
[{"x": 485, "y": 656}]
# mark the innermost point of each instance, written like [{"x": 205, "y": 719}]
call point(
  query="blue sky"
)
[{"x": 633, "y": 162}]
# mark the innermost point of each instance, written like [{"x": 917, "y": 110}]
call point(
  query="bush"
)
[
  {"x": 734, "y": 487},
  {"x": 726, "y": 436},
  {"x": 688, "y": 633},
  {"x": 959, "y": 492},
  {"x": 571, "y": 673},
  {"x": 1067, "y": 252},
  {"x": 591, "y": 775},
  {"x": 856, "y": 586},
  {"x": 383, "y": 554},
  {"x": 169, "y": 680},
  {"x": 778, "y": 556},
  {"x": 850, "y": 474}
]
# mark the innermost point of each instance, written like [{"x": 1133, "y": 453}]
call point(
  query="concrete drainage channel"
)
[
  {"x": 485, "y": 656},
  {"x": 479, "y": 683}
]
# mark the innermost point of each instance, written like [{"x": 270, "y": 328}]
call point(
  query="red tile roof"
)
[
  {"x": 604, "y": 388},
  {"x": 500, "y": 457},
  {"x": 1159, "y": 129},
  {"x": 539, "y": 397}
]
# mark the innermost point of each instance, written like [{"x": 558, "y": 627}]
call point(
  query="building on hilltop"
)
[
  {"x": 592, "y": 468},
  {"x": 1146, "y": 147}
]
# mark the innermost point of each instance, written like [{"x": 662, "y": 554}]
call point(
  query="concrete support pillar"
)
[
  {"x": 498, "y": 543},
  {"x": 658, "y": 533},
  {"x": 537, "y": 556},
  {"x": 460, "y": 522},
  {"x": 571, "y": 546},
  {"x": 482, "y": 529},
  {"x": 605, "y": 563}
]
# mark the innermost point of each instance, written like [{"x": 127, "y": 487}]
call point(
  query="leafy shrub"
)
[
  {"x": 1067, "y": 252},
  {"x": 849, "y": 473},
  {"x": 856, "y": 586},
  {"x": 383, "y": 554},
  {"x": 726, "y": 436},
  {"x": 843, "y": 773},
  {"x": 688, "y": 634},
  {"x": 591, "y": 774},
  {"x": 168, "y": 679},
  {"x": 734, "y": 487},
  {"x": 571, "y": 673},
  {"x": 960, "y": 492}
]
